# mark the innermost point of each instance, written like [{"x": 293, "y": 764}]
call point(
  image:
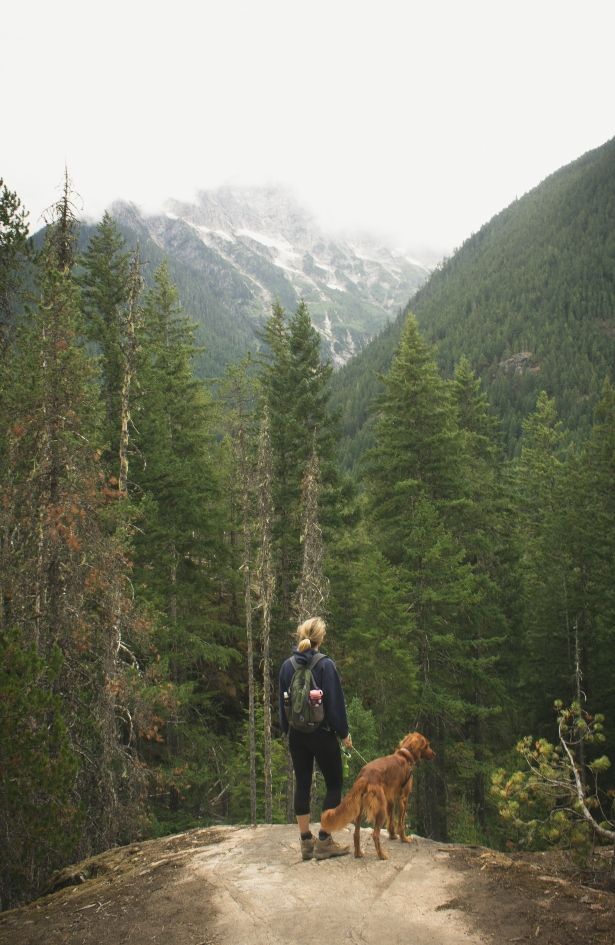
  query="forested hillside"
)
[
  {"x": 159, "y": 546},
  {"x": 529, "y": 300}
]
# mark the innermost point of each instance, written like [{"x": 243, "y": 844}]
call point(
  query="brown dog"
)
[{"x": 379, "y": 785}]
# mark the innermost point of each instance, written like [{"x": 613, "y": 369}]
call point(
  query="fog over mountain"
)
[{"x": 240, "y": 249}]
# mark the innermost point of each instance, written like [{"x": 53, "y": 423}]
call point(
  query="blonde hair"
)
[{"x": 311, "y": 633}]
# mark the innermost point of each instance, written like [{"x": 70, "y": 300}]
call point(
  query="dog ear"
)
[{"x": 416, "y": 743}]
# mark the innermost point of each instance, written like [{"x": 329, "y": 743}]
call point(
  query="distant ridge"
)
[
  {"x": 529, "y": 299},
  {"x": 236, "y": 250}
]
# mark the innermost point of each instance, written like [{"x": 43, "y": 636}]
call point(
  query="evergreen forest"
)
[
  {"x": 160, "y": 540},
  {"x": 529, "y": 299}
]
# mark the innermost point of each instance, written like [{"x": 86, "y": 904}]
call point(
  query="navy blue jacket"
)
[{"x": 326, "y": 678}]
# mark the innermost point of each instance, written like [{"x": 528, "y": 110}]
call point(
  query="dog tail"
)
[
  {"x": 337, "y": 817},
  {"x": 374, "y": 803}
]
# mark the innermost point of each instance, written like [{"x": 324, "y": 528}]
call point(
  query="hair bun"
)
[{"x": 304, "y": 645}]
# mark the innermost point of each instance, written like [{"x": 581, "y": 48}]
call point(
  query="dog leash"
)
[{"x": 357, "y": 753}]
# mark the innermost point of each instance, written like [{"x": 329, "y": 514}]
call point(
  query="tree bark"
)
[
  {"x": 266, "y": 586},
  {"x": 129, "y": 351}
]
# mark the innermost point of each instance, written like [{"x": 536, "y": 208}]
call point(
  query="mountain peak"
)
[
  {"x": 253, "y": 246},
  {"x": 274, "y": 209}
]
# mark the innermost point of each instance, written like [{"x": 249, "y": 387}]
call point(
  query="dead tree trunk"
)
[
  {"x": 129, "y": 352},
  {"x": 310, "y": 599},
  {"x": 312, "y": 594},
  {"x": 129, "y": 324},
  {"x": 239, "y": 394},
  {"x": 266, "y": 588},
  {"x": 247, "y": 593}
]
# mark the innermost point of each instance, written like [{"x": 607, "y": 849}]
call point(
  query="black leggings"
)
[{"x": 305, "y": 748}]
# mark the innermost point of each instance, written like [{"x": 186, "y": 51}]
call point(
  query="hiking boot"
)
[
  {"x": 323, "y": 849},
  {"x": 307, "y": 849}
]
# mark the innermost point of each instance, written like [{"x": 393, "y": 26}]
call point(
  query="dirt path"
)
[
  {"x": 266, "y": 895},
  {"x": 249, "y": 886}
]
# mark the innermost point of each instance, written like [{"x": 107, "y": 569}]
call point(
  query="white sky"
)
[{"x": 414, "y": 120}]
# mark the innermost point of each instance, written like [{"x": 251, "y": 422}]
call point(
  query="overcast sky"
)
[{"x": 417, "y": 121}]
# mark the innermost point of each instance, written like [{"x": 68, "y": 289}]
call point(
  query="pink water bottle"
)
[{"x": 316, "y": 696}]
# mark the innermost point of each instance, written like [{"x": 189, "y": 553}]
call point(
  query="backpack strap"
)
[{"x": 317, "y": 657}]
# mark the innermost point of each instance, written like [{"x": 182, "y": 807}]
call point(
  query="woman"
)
[{"x": 321, "y": 745}]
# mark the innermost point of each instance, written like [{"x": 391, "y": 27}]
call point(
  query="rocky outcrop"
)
[{"x": 520, "y": 363}]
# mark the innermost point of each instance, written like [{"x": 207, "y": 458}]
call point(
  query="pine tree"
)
[
  {"x": 105, "y": 281},
  {"x": 585, "y": 527},
  {"x": 180, "y": 557},
  {"x": 37, "y": 770},
  {"x": 415, "y": 453},
  {"x": 62, "y": 570},
  {"x": 309, "y": 379},
  {"x": 369, "y": 616},
  {"x": 14, "y": 251},
  {"x": 416, "y": 494},
  {"x": 478, "y": 433},
  {"x": 266, "y": 583},
  {"x": 277, "y": 394},
  {"x": 295, "y": 391},
  {"x": 546, "y": 664},
  {"x": 239, "y": 393},
  {"x": 478, "y": 517}
]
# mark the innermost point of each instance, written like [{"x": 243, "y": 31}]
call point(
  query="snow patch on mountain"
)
[{"x": 259, "y": 246}]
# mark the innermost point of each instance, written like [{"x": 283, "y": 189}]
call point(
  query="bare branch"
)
[{"x": 596, "y": 827}]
